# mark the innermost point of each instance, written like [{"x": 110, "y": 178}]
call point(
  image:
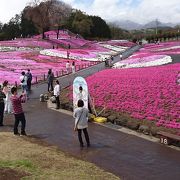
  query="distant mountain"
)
[
  {"x": 154, "y": 24},
  {"x": 130, "y": 25}
]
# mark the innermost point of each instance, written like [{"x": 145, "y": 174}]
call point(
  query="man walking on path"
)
[
  {"x": 29, "y": 80},
  {"x": 50, "y": 78},
  {"x": 18, "y": 112},
  {"x": 2, "y": 96}
]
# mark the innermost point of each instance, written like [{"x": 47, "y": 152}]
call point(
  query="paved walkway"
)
[{"x": 127, "y": 156}]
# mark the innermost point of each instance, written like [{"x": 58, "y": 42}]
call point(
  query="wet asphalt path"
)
[{"x": 127, "y": 156}]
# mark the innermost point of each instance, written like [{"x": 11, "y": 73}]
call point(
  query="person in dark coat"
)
[
  {"x": 29, "y": 80},
  {"x": 2, "y": 97},
  {"x": 50, "y": 78}
]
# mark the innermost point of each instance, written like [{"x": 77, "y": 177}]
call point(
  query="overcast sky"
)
[{"x": 140, "y": 11}]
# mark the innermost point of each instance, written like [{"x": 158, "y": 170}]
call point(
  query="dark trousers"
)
[
  {"x": 85, "y": 134},
  {"x": 29, "y": 85},
  {"x": 1, "y": 112},
  {"x": 19, "y": 118},
  {"x": 57, "y": 102},
  {"x": 50, "y": 85}
]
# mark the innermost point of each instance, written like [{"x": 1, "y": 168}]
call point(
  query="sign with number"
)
[{"x": 164, "y": 140}]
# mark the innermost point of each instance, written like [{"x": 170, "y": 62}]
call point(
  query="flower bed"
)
[
  {"x": 143, "y": 93},
  {"x": 26, "y": 42},
  {"x": 151, "y": 55},
  {"x": 165, "y": 48},
  {"x": 144, "y": 61},
  {"x": 74, "y": 54},
  {"x": 13, "y": 63},
  {"x": 38, "y": 55}
]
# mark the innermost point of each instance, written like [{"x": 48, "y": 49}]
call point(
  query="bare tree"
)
[
  {"x": 47, "y": 13},
  {"x": 60, "y": 12}
]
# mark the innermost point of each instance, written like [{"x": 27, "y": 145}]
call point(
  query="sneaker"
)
[
  {"x": 88, "y": 145},
  {"x": 16, "y": 134},
  {"x": 81, "y": 145},
  {"x": 23, "y": 134}
]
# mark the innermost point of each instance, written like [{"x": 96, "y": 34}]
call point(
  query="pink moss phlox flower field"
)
[
  {"x": 24, "y": 53},
  {"x": 13, "y": 63},
  {"x": 144, "y": 93},
  {"x": 165, "y": 48},
  {"x": 64, "y": 39},
  {"x": 27, "y": 42}
]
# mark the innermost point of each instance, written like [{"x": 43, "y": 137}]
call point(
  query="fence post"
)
[{"x": 44, "y": 77}]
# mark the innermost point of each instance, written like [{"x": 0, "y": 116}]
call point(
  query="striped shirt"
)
[{"x": 16, "y": 104}]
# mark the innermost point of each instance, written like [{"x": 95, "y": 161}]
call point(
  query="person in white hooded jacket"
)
[
  {"x": 6, "y": 90},
  {"x": 57, "y": 93}
]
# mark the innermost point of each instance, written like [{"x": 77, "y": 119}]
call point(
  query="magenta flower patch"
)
[{"x": 144, "y": 93}]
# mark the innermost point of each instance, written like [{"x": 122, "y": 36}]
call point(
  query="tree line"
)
[{"x": 41, "y": 16}]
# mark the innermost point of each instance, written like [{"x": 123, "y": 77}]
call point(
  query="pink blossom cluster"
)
[
  {"x": 76, "y": 52},
  {"x": 124, "y": 43},
  {"x": 142, "y": 58},
  {"x": 165, "y": 48},
  {"x": 65, "y": 39},
  {"x": 27, "y": 42},
  {"x": 13, "y": 63},
  {"x": 144, "y": 93}
]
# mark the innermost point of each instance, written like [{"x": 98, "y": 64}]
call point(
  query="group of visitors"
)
[
  {"x": 11, "y": 102},
  {"x": 109, "y": 61},
  {"x": 6, "y": 101},
  {"x": 70, "y": 67},
  {"x": 9, "y": 99},
  {"x": 80, "y": 113},
  {"x": 26, "y": 81}
]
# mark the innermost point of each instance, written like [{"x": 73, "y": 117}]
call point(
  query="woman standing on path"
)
[
  {"x": 57, "y": 93},
  {"x": 73, "y": 67},
  {"x": 81, "y": 122},
  {"x": 6, "y": 91},
  {"x": 23, "y": 79}
]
